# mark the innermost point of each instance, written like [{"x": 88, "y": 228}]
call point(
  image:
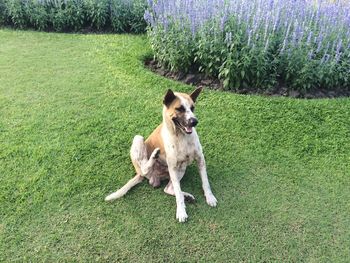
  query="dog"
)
[{"x": 166, "y": 153}]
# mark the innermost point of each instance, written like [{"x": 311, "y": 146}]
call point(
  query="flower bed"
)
[{"x": 263, "y": 44}]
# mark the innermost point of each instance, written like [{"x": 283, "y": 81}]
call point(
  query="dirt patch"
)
[{"x": 199, "y": 79}]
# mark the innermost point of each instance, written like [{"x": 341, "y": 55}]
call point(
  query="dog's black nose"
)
[{"x": 193, "y": 122}]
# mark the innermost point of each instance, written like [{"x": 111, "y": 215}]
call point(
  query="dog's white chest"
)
[
  {"x": 185, "y": 151},
  {"x": 181, "y": 150}
]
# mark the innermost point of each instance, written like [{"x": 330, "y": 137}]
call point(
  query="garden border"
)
[{"x": 199, "y": 79}]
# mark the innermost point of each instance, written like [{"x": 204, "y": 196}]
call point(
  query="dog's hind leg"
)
[
  {"x": 169, "y": 189},
  {"x": 142, "y": 164},
  {"x": 122, "y": 191},
  {"x": 138, "y": 154}
]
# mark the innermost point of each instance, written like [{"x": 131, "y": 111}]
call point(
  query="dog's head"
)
[{"x": 179, "y": 109}]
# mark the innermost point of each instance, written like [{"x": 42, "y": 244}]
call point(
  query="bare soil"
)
[{"x": 199, "y": 79}]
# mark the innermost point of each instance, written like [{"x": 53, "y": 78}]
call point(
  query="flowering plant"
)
[{"x": 302, "y": 44}]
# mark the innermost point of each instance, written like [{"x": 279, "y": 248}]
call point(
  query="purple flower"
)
[
  {"x": 228, "y": 38},
  {"x": 148, "y": 18},
  {"x": 222, "y": 22},
  {"x": 309, "y": 38},
  {"x": 249, "y": 37},
  {"x": 337, "y": 52},
  {"x": 310, "y": 54},
  {"x": 150, "y": 3},
  {"x": 266, "y": 45}
]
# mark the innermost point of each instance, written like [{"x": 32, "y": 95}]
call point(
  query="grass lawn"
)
[{"x": 69, "y": 108}]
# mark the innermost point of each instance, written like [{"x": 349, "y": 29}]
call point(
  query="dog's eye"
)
[
  {"x": 192, "y": 108},
  {"x": 181, "y": 109}
]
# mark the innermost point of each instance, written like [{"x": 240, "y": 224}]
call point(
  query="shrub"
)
[
  {"x": 16, "y": 11},
  {"x": 127, "y": 16},
  {"x": 37, "y": 15},
  {"x": 258, "y": 43},
  {"x": 97, "y": 12},
  {"x": 3, "y": 14},
  {"x": 74, "y": 15}
]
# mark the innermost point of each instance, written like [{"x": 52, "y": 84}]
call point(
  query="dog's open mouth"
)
[{"x": 186, "y": 129}]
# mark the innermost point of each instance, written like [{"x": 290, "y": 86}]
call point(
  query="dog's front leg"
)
[
  {"x": 175, "y": 176},
  {"x": 210, "y": 198}
]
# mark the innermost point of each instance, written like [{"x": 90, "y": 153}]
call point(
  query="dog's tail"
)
[{"x": 122, "y": 191}]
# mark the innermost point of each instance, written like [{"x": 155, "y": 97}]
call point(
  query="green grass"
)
[{"x": 69, "y": 108}]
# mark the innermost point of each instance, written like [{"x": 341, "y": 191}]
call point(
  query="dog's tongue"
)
[{"x": 188, "y": 129}]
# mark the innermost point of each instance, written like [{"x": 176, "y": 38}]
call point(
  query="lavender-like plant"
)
[{"x": 256, "y": 42}]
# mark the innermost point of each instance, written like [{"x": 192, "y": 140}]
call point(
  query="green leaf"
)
[{"x": 226, "y": 82}]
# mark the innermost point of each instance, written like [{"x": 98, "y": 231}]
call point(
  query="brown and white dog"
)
[{"x": 171, "y": 147}]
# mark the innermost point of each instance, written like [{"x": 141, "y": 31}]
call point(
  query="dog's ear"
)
[
  {"x": 169, "y": 97},
  {"x": 195, "y": 93}
]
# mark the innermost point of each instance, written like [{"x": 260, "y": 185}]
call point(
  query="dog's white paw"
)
[
  {"x": 181, "y": 215},
  {"x": 211, "y": 200}
]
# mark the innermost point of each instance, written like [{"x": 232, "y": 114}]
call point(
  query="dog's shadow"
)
[{"x": 192, "y": 183}]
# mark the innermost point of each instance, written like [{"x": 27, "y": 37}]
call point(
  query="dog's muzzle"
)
[
  {"x": 186, "y": 127},
  {"x": 192, "y": 122}
]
